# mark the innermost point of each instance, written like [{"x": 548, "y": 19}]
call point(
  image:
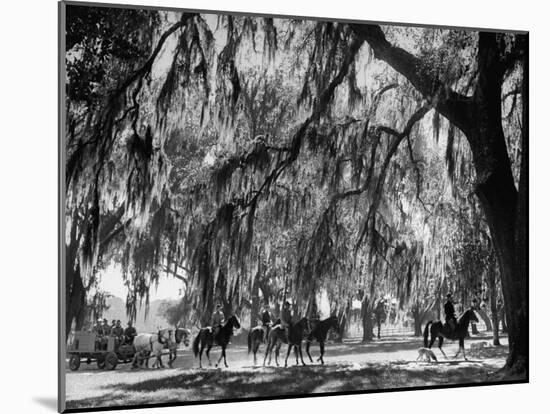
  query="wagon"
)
[{"x": 86, "y": 347}]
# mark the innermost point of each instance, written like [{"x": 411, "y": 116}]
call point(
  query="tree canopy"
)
[{"x": 282, "y": 157}]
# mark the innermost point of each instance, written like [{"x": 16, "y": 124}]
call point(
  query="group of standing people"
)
[{"x": 103, "y": 330}]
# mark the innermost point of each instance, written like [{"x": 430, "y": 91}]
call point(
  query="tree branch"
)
[{"x": 454, "y": 106}]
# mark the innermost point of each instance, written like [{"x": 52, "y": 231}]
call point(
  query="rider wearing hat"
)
[
  {"x": 266, "y": 320},
  {"x": 286, "y": 319},
  {"x": 218, "y": 319},
  {"x": 449, "y": 308}
]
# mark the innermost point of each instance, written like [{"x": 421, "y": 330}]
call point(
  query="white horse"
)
[{"x": 147, "y": 344}]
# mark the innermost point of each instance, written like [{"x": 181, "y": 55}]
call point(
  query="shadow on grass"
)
[{"x": 219, "y": 384}]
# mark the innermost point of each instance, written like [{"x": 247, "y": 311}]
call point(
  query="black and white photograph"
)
[{"x": 259, "y": 206}]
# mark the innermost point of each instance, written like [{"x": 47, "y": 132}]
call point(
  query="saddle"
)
[
  {"x": 450, "y": 327},
  {"x": 215, "y": 333}
]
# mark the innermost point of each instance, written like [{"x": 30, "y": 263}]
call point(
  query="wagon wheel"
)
[
  {"x": 110, "y": 361},
  {"x": 74, "y": 362},
  {"x": 101, "y": 362}
]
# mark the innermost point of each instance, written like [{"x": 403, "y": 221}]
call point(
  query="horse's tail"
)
[
  {"x": 426, "y": 331},
  {"x": 196, "y": 344}
]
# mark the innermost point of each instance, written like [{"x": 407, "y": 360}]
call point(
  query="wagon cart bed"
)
[{"x": 87, "y": 347}]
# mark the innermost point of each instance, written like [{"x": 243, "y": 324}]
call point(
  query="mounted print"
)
[{"x": 259, "y": 207}]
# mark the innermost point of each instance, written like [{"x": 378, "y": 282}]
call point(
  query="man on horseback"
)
[
  {"x": 218, "y": 319},
  {"x": 450, "y": 317},
  {"x": 266, "y": 321},
  {"x": 314, "y": 316},
  {"x": 286, "y": 319}
]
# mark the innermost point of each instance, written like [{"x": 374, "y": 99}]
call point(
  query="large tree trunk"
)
[
  {"x": 343, "y": 322},
  {"x": 419, "y": 317},
  {"x": 480, "y": 119},
  {"x": 75, "y": 300},
  {"x": 367, "y": 319},
  {"x": 255, "y": 303},
  {"x": 504, "y": 206},
  {"x": 491, "y": 284}
]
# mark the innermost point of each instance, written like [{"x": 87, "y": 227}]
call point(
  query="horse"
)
[
  {"x": 319, "y": 334},
  {"x": 146, "y": 344},
  {"x": 439, "y": 330},
  {"x": 277, "y": 337},
  {"x": 255, "y": 338},
  {"x": 205, "y": 338},
  {"x": 180, "y": 335}
]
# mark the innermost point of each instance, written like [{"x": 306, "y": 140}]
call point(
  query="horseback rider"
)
[
  {"x": 286, "y": 319},
  {"x": 218, "y": 319},
  {"x": 130, "y": 333},
  {"x": 449, "y": 308},
  {"x": 266, "y": 321},
  {"x": 314, "y": 316}
]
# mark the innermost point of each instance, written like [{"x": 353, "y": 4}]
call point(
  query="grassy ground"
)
[{"x": 351, "y": 366}]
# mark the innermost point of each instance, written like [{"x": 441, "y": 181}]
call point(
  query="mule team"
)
[{"x": 282, "y": 331}]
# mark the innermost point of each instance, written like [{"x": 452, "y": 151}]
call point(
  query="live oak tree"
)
[{"x": 249, "y": 149}]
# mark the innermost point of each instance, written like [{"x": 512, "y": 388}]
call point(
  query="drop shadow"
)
[{"x": 47, "y": 402}]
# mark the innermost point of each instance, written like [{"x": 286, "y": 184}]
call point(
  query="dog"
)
[
  {"x": 426, "y": 354},
  {"x": 478, "y": 345}
]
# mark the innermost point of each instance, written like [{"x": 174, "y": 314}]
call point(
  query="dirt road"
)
[{"x": 352, "y": 366}]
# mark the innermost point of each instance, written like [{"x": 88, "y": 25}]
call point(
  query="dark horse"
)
[
  {"x": 277, "y": 337},
  {"x": 181, "y": 335},
  {"x": 205, "y": 338},
  {"x": 439, "y": 330},
  {"x": 319, "y": 334},
  {"x": 255, "y": 338}
]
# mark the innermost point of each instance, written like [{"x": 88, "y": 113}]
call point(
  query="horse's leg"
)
[
  {"x": 322, "y": 348},
  {"x": 268, "y": 351},
  {"x": 200, "y": 354},
  {"x": 208, "y": 348},
  {"x": 159, "y": 358},
  {"x": 220, "y": 358},
  {"x": 308, "y": 344},
  {"x": 173, "y": 356},
  {"x": 461, "y": 347},
  {"x": 224, "y": 360},
  {"x": 277, "y": 350},
  {"x": 439, "y": 346},
  {"x": 296, "y": 354},
  {"x": 287, "y": 354},
  {"x": 301, "y": 356},
  {"x": 256, "y": 348},
  {"x": 432, "y": 339}
]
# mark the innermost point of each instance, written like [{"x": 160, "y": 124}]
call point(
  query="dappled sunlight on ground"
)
[{"x": 351, "y": 366}]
